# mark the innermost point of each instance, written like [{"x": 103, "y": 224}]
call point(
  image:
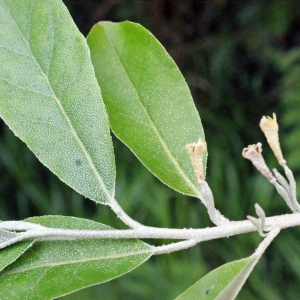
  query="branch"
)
[{"x": 37, "y": 232}]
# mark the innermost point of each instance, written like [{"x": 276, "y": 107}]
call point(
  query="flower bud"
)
[
  {"x": 270, "y": 128},
  {"x": 196, "y": 151},
  {"x": 253, "y": 153}
]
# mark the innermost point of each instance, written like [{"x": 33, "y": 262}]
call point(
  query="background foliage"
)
[{"x": 241, "y": 61}]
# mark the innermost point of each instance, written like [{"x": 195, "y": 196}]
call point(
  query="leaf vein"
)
[
  {"x": 64, "y": 114},
  {"x": 73, "y": 262},
  {"x": 154, "y": 128}
]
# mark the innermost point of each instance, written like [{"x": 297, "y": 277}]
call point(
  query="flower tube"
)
[
  {"x": 253, "y": 153},
  {"x": 196, "y": 151},
  {"x": 270, "y": 128}
]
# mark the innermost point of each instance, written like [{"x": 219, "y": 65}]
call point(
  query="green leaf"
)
[
  {"x": 149, "y": 105},
  {"x": 210, "y": 286},
  {"x": 226, "y": 281},
  {"x": 50, "y": 98},
  {"x": 12, "y": 253},
  {"x": 54, "y": 268}
]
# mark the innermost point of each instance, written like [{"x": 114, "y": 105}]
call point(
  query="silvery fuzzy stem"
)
[
  {"x": 283, "y": 182},
  {"x": 262, "y": 216},
  {"x": 267, "y": 241},
  {"x": 288, "y": 187},
  {"x": 121, "y": 214},
  {"x": 208, "y": 197},
  {"x": 289, "y": 174},
  {"x": 261, "y": 222},
  {"x": 196, "y": 151},
  {"x": 258, "y": 225},
  {"x": 283, "y": 193},
  {"x": 200, "y": 235},
  {"x": 222, "y": 219},
  {"x": 209, "y": 200},
  {"x": 166, "y": 249}
]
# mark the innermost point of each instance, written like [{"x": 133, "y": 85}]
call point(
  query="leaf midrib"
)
[
  {"x": 58, "y": 102},
  {"x": 73, "y": 262},
  {"x": 153, "y": 126}
]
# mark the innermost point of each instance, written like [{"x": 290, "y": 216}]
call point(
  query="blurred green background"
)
[{"x": 241, "y": 60}]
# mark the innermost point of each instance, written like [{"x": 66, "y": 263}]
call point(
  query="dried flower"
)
[
  {"x": 253, "y": 153},
  {"x": 196, "y": 151},
  {"x": 270, "y": 128}
]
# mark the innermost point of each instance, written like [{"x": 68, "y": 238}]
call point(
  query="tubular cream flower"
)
[
  {"x": 270, "y": 128},
  {"x": 253, "y": 153},
  {"x": 196, "y": 151}
]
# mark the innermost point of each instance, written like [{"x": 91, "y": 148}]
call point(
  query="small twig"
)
[
  {"x": 41, "y": 233},
  {"x": 283, "y": 193},
  {"x": 267, "y": 241},
  {"x": 261, "y": 222},
  {"x": 292, "y": 182},
  {"x": 283, "y": 182},
  {"x": 216, "y": 217},
  {"x": 121, "y": 214},
  {"x": 166, "y": 249}
]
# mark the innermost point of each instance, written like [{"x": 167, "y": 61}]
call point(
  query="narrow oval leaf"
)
[
  {"x": 55, "y": 268},
  {"x": 149, "y": 105},
  {"x": 50, "y": 98},
  {"x": 226, "y": 281}
]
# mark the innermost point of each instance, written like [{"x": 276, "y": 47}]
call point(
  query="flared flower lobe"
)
[{"x": 253, "y": 153}]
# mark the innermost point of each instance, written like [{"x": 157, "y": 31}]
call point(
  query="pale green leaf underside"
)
[
  {"x": 210, "y": 286},
  {"x": 50, "y": 98},
  {"x": 149, "y": 105},
  {"x": 226, "y": 281},
  {"x": 54, "y": 268},
  {"x": 12, "y": 253}
]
